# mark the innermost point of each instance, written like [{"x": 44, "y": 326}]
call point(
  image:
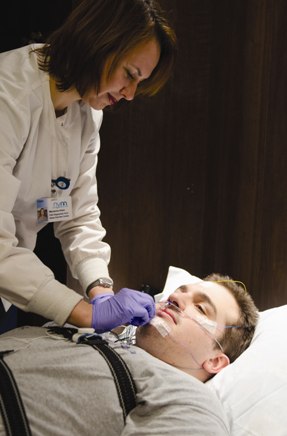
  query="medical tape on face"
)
[
  {"x": 201, "y": 320},
  {"x": 204, "y": 322},
  {"x": 162, "y": 327}
]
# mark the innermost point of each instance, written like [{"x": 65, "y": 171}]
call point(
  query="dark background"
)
[{"x": 194, "y": 177}]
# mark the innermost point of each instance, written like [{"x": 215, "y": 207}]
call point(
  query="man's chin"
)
[{"x": 147, "y": 334}]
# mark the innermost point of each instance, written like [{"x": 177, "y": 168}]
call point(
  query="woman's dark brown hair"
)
[{"x": 97, "y": 30}]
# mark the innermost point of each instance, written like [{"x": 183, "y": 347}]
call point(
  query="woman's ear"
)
[{"x": 216, "y": 364}]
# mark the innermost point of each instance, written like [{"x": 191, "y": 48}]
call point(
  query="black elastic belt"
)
[
  {"x": 123, "y": 379},
  {"x": 11, "y": 405}
]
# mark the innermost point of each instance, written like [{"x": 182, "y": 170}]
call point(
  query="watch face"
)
[{"x": 106, "y": 283}]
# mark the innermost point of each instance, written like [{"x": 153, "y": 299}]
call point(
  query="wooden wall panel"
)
[
  {"x": 152, "y": 168},
  {"x": 194, "y": 177},
  {"x": 250, "y": 141}
]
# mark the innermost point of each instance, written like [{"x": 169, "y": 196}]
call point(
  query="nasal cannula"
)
[{"x": 163, "y": 327}]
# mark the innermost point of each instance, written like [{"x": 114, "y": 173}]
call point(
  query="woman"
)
[{"x": 52, "y": 97}]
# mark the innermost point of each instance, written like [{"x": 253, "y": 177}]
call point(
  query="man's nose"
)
[{"x": 178, "y": 300}]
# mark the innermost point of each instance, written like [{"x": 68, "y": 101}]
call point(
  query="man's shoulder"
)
[{"x": 188, "y": 404}]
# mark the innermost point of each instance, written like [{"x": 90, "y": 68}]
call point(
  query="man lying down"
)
[{"x": 67, "y": 388}]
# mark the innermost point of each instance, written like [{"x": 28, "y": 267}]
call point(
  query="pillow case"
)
[
  {"x": 253, "y": 389},
  {"x": 175, "y": 277}
]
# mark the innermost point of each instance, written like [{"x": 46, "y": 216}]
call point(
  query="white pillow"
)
[
  {"x": 175, "y": 277},
  {"x": 253, "y": 389}
]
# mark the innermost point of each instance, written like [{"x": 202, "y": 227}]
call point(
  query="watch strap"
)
[{"x": 105, "y": 282}]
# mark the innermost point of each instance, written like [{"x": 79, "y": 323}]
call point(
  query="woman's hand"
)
[{"x": 125, "y": 307}]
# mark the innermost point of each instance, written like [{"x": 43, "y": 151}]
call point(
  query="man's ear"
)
[{"x": 216, "y": 364}]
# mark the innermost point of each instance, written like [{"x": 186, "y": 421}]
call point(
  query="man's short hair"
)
[{"x": 236, "y": 338}]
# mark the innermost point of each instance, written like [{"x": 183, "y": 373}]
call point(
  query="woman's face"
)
[{"x": 136, "y": 66}]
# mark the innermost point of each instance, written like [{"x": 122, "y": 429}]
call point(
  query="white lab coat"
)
[{"x": 36, "y": 147}]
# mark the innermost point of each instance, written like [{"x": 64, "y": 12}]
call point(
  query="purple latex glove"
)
[{"x": 125, "y": 307}]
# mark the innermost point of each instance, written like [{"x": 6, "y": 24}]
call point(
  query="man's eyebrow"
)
[
  {"x": 207, "y": 300},
  {"x": 204, "y": 297}
]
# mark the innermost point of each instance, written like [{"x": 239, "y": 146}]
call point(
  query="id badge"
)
[{"x": 54, "y": 209}]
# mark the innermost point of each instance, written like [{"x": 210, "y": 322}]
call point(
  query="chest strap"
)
[
  {"x": 12, "y": 408},
  {"x": 11, "y": 405},
  {"x": 124, "y": 382}
]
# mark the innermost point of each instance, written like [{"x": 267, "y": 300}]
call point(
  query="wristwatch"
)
[{"x": 105, "y": 282}]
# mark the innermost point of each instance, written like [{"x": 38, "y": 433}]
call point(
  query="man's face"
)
[{"x": 206, "y": 307}]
